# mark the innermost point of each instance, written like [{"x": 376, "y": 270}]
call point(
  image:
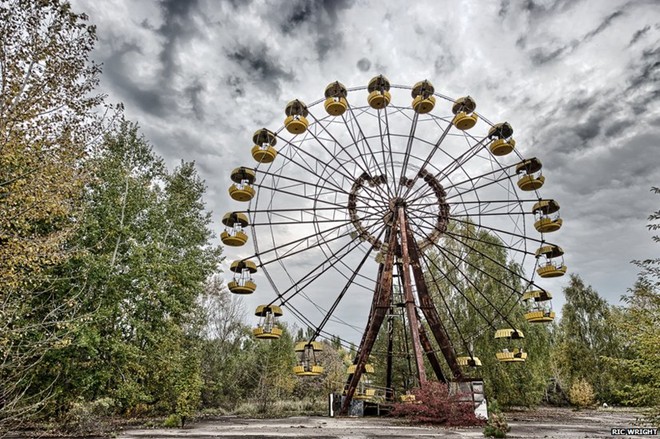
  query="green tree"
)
[
  {"x": 226, "y": 349},
  {"x": 144, "y": 258},
  {"x": 473, "y": 267},
  {"x": 48, "y": 124},
  {"x": 403, "y": 362},
  {"x": 333, "y": 359},
  {"x": 272, "y": 369},
  {"x": 640, "y": 328},
  {"x": 650, "y": 273},
  {"x": 46, "y": 121},
  {"x": 586, "y": 335}
]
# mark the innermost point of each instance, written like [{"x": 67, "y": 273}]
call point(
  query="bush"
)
[
  {"x": 172, "y": 421},
  {"x": 282, "y": 408},
  {"x": 497, "y": 425},
  {"x": 246, "y": 409},
  {"x": 86, "y": 416},
  {"x": 581, "y": 393},
  {"x": 434, "y": 405}
]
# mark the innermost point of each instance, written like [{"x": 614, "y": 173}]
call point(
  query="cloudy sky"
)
[{"x": 579, "y": 81}]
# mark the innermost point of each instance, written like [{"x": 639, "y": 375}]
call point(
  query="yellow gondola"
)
[
  {"x": 296, "y": 117},
  {"x": 335, "y": 99},
  {"x": 364, "y": 394},
  {"x": 233, "y": 235},
  {"x": 267, "y": 328},
  {"x": 308, "y": 364},
  {"x": 242, "y": 189},
  {"x": 515, "y": 355},
  {"x": 468, "y": 361},
  {"x": 379, "y": 94},
  {"x": 264, "y": 150},
  {"x": 242, "y": 283},
  {"x": 463, "y": 109},
  {"x": 363, "y": 391},
  {"x": 423, "y": 99},
  {"x": 539, "y": 306},
  {"x": 368, "y": 368},
  {"x": 546, "y": 212},
  {"x": 531, "y": 178},
  {"x": 303, "y": 346},
  {"x": 551, "y": 268},
  {"x": 502, "y": 143}
]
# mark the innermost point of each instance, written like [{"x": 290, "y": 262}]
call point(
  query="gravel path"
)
[{"x": 543, "y": 423}]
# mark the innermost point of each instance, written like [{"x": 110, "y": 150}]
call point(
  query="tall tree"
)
[
  {"x": 272, "y": 366},
  {"x": 47, "y": 125},
  {"x": 651, "y": 267},
  {"x": 586, "y": 335},
  {"x": 226, "y": 348},
  {"x": 47, "y": 121},
  {"x": 144, "y": 260},
  {"x": 640, "y": 327},
  {"x": 474, "y": 285}
]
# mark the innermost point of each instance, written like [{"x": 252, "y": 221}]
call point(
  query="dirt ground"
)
[{"x": 541, "y": 423}]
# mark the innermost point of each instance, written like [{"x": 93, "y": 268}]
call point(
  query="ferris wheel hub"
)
[{"x": 396, "y": 203}]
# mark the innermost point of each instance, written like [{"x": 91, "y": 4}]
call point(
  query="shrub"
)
[
  {"x": 172, "y": 421},
  {"x": 246, "y": 409},
  {"x": 86, "y": 416},
  {"x": 497, "y": 425},
  {"x": 581, "y": 394},
  {"x": 434, "y": 405}
]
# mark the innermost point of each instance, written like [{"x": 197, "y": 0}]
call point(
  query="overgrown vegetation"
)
[
  {"x": 581, "y": 394},
  {"x": 497, "y": 425},
  {"x": 434, "y": 404}
]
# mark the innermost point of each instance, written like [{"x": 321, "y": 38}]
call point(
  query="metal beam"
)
[
  {"x": 430, "y": 353},
  {"x": 409, "y": 297},
  {"x": 430, "y": 312},
  {"x": 389, "y": 393},
  {"x": 379, "y": 308}
]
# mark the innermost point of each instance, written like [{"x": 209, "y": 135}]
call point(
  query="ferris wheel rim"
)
[{"x": 327, "y": 180}]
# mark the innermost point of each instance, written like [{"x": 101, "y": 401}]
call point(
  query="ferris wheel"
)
[{"x": 396, "y": 198}]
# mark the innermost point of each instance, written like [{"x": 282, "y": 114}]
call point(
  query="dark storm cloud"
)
[
  {"x": 193, "y": 92},
  {"x": 577, "y": 124},
  {"x": 639, "y": 34},
  {"x": 364, "y": 64},
  {"x": 617, "y": 127},
  {"x": 604, "y": 25},
  {"x": 646, "y": 74},
  {"x": 235, "y": 85},
  {"x": 120, "y": 73},
  {"x": 539, "y": 10},
  {"x": 156, "y": 96},
  {"x": 177, "y": 23},
  {"x": 589, "y": 130},
  {"x": 504, "y": 8},
  {"x": 318, "y": 19},
  {"x": 580, "y": 104},
  {"x": 613, "y": 169},
  {"x": 541, "y": 55},
  {"x": 260, "y": 66}
]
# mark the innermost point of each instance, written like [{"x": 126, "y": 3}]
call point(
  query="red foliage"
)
[{"x": 434, "y": 405}]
